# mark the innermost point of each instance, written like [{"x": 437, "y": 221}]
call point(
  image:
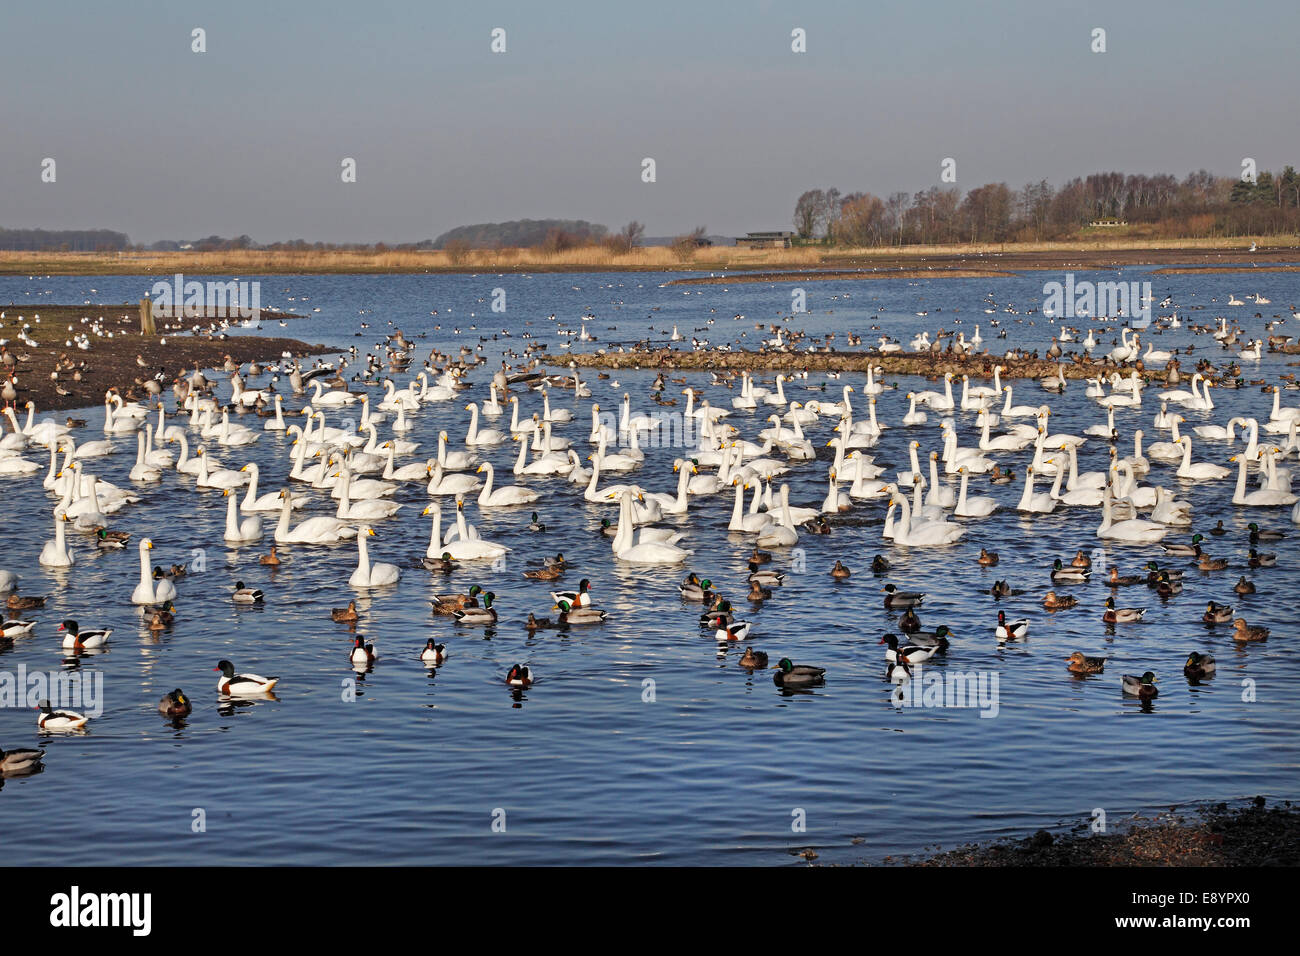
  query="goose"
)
[
  {"x": 367, "y": 509},
  {"x": 369, "y": 575},
  {"x": 77, "y": 639},
  {"x": 1201, "y": 470},
  {"x": 55, "y": 554},
  {"x": 57, "y": 720},
  {"x": 151, "y": 590},
  {"x": 231, "y": 684},
  {"x": 240, "y": 532},
  {"x": 479, "y": 439},
  {"x": 1134, "y": 530},
  {"x": 505, "y": 496},
  {"x": 318, "y": 530},
  {"x": 242, "y": 594}
]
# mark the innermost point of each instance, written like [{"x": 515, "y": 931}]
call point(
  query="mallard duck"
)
[
  {"x": 272, "y": 559},
  {"x": 444, "y": 564},
  {"x": 880, "y": 565},
  {"x": 1010, "y": 630},
  {"x": 104, "y": 533},
  {"x": 51, "y": 719},
  {"x": 1069, "y": 573},
  {"x": 344, "y": 614},
  {"x": 519, "y": 675},
  {"x": 552, "y": 573},
  {"x": 840, "y": 572},
  {"x": 362, "y": 652},
  {"x": 486, "y": 614},
  {"x": 735, "y": 631},
  {"x": 760, "y": 556},
  {"x": 1257, "y": 560},
  {"x": 767, "y": 578},
  {"x": 1217, "y": 613},
  {"x": 1117, "y": 580},
  {"x": 242, "y": 685},
  {"x": 77, "y": 639},
  {"x": 938, "y": 638},
  {"x": 895, "y": 598},
  {"x": 20, "y": 760},
  {"x": 1154, "y": 571},
  {"x": 1199, "y": 666},
  {"x": 752, "y": 659},
  {"x": 247, "y": 595},
  {"x": 175, "y": 704},
  {"x": 1122, "y": 615},
  {"x": 1082, "y": 664},
  {"x": 104, "y": 542},
  {"x": 1003, "y": 589},
  {"x": 1243, "y": 632},
  {"x": 1167, "y": 586},
  {"x": 789, "y": 674},
  {"x": 1244, "y": 586},
  {"x": 909, "y": 623},
  {"x": 578, "y": 598},
  {"x": 1081, "y": 560},
  {"x": 719, "y": 608},
  {"x": 1144, "y": 686},
  {"x": 988, "y": 558},
  {"x": 1258, "y": 534},
  {"x": 1185, "y": 550},
  {"x": 555, "y": 562},
  {"x": 166, "y": 612},
  {"x": 1218, "y": 529},
  {"x": 1059, "y": 602},
  {"x": 1207, "y": 563},
  {"x": 757, "y": 592},
  {"x": 28, "y": 602},
  {"x": 535, "y": 524},
  {"x": 433, "y": 654},
  {"x": 451, "y": 603},
  {"x": 579, "y": 615},
  {"x": 912, "y": 653}
]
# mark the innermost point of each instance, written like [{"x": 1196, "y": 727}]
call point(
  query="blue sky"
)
[{"x": 160, "y": 142}]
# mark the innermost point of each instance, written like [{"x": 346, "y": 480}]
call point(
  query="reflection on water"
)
[{"x": 592, "y": 764}]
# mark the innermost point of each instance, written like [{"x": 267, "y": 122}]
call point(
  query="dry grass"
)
[{"x": 590, "y": 258}]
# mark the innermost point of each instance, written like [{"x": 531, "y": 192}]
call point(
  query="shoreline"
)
[
  {"x": 1202, "y": 834},
  {"x": 111, "y": 363}
]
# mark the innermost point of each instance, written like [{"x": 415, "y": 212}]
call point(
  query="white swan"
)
[
  {"x": 368, "y": 575},
  {"x": 627, "y": 548},
  {"x": 318, "y": 530},
  {"x": 977, "y": 507},
  {"x": 1134, "y": 530},
  {"x": 150, "y": 591},
  {"x": 505, "y": 496},
  {"x": 476, "y": 438},
  {"x": 1031, "y": 502},
  {"x": 927, "y": 534},
  {"x": 1201, "y": 470},
  {"x": 237, "y": 531},
  {"x": 56, "y": 554}
]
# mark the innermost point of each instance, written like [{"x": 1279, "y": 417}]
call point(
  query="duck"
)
[
  {"x": 19, "y": 760},
  {"x": 909, "y": 623},
  {"x": 766, "y": 578},
  {"x": 28, "y": 602},
  {"x": 548, "y": 573},
  {"x": 1167, "y": 586},
  {"x": 1245, "y": 633},
  {"x": 151, "y": 589},
  {"x": 451, "y": 603},
  {"x": 1010, "y": 630},
  {"x": 880, "y": 565},
  {"x": 1054, "y": 602},
  {"x": 578, "y": 598},
  {"x": 1207, "y": 563},
  {"x": 1080, "y": 663},
  {"x": 271, "y": 560},
  {"x": 1003, "y": 589},
  {"x": 107, "y": 540},
  {"x": 1117, "y": 580},
  {"x": 938, "y": 638},
  {"x": 11, "y": 629},
  {"x": 444, "y": 564},
  {"x": 840, "y": 572},
  {"x": 344, "y": 614},
  {"x": 757, "y": 592},
  {"x": 1154, "y": 571},
  {"x": 1069, "y": 573},
  {"x": 895, "y": 598},
  {"x": 789, "y": 674},
  {"x": 1258, "y": 534},
  {"x": 911, "y": 653},
  {"x": 475, "y": 616},
  {"x": 535, "y": 525},
  {"x": 1188, "y": 550},
  {"x": 1143, "y": 687},
  {"x": 734, "y": 631},
  {"x": 1244, "y": 586},
  {"x": 175, "y": 704},
  {"x": 1217, "y": 613},
  {"x": 1199, "y": 666},
  {"x": 579, "y": 615},
  {"x": 1122, "y": 615},
  {"x": 433, "y": 654},
  {"x": 760, "y": 556},
  {"x": 987, "y": 559},
  {"x": 519, "y": 675},
  {"x": 753, "y": 659},
  {"x": 362, "y": 652},
  {"x": 51, "y": 719},
  {"x": 247, "y": 595},
  {"x": 77, "y": 639},
  {"x": 1257, "y": 560},
  {"x": 242, "y": 685},
  {"x": 1219, "y": 529}
]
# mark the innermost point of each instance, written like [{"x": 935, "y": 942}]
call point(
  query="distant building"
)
[
  {"x": 766, "y": 240},
  {"x": 1107, "y": 223}
]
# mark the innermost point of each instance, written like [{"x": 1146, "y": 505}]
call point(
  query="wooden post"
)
[{"x": 146, "y": 317}]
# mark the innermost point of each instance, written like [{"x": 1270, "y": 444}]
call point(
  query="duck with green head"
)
[
  {"x": 789, "y": 674},
  {"x": 476, "y": 616},
  {"x": 1199, "y": 666},
  {"x": 1143, "y": 687}
]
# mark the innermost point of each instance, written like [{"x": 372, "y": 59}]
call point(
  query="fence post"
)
[{"x": 146, "y": 317}]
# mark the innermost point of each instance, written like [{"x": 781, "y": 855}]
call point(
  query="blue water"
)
[{"x": 717, "y": 767}]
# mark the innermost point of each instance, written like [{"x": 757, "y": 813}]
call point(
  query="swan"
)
[
  {"x": 1031, "y": 502},
  {"x": 929, "y": 534},
  {"x": 1219, "y": 432},
  {"x": 56, "y": 554},
  {"x": 1261, "y": 498},
  {"x": 913, "y": 417},
  {"x": 746, "y": 523},
  {"x": 277, "y": 423},
  {"x": 1134, "y": 530},
  {"x": 444, "y": 484},
  {"x": 1086, "y": 497},
  {"x": 977, "y": 507},
  {"x": 1017, "y": 411},
  {"x": 627, "y": 548},
  {"x": 476, "y": 438},
  {"x": 782, "y": 533},
  {"x": 504, "y": 496},
  {"x": 149, "y": 590},
  {"x": 416, "y": 471},
  {"x": 367, "y": 509},
  {"x": 454, "y": 460},
  {"x": 221, "y": 478},
  {"x": 237, "y": 531},
  {"x": 369, "y": 575},
  {"x": 1201, "y": 470},
  {"x": 467, "y": 545},
  {"x": 336, "y": 397},
  {"x": 1168, "y": 451},
  {"x": 318, "y": 530},
  {"x": 141, "y": 470}
]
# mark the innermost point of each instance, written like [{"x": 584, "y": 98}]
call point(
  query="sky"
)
[{"x": 157, "y": 141}]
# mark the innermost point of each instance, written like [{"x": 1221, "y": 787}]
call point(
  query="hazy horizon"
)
[{"x": 159, "y": 142}]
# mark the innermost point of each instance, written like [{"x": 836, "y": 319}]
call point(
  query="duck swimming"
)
[
  {"x": 272, "y": 559},
  {"x": 242, "y": 685},
  {"x": 1058, "y": 602},
  {"x": 879, "y": 565},
  {"x": 1217, "y": 613},
  {"x": 344, "y": 614},
  {"x": 840, "y": 572},
  {"x": 1123, "y": 615},
  {"x": 757, "y": 592},
  {"x": 1257, "y": 560},
  {"x": 789, "y": 674},
  {"x": 1258, "y": 534},
  {"x": 362, "y": 652},
  {"x": 1082, "y": 664},
  {"x": 579, "y": 615},
  {"x": 1187, "y": 550},
  {"x": 476, "y": 616},
  {"x": 77, "y": 639},
  {"x": 752, "y": 659},
  {"x": 16, "y": 602},
  {"x": 938, "y": 638},
  {"x": 549, "y": 573},
  {"x": 1207, "y": 563},
  {"x": 911, "y": 653},
  {"x": 1199, "y": 666},
  {"x": 51, "y": 719},
  {"x": 1116, "y": 580},
  {"x": 909, "y": 623},
  {"x": 988, "y": 558},
  {"x": 736, "y": 631},
  {"x": 519, "y": 675},
  {"x": 1244, "y": 586},
  {"x": 1069, "y": 573},
  {"x": 451, "y": 603},
  {"x": 20, "y": 760},
  {"x": 1244, "y": 633},
  {"x": 1010, "y": 630},
  {"x": 175, "y": 704},
  {"x": 433, "y": 654},
  {"x": 247, "y": 595},
  {"x": 578, "y": 598},
  {"x": 1143, "y": 687},
  {"x": 895, "y": 598},
  {"x": 444, "y": 564}
]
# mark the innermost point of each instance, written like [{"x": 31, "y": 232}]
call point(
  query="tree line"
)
[{"x": 1200, "y": 205}]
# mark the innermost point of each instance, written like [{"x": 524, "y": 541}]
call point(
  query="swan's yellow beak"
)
[
  {"x": 481, "y": 467},
  {"x": 149, "y": 544},
  {"x": 370, "y": 532}
]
